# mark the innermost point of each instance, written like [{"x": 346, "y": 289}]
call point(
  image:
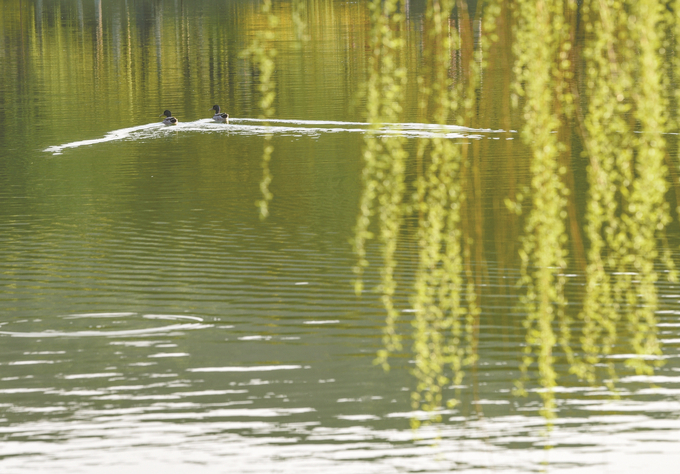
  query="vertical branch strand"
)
[
  {"x": 384, "y": 158},
  {"x": 540, "y": 32},
  {"x": 262, "y": 53}
]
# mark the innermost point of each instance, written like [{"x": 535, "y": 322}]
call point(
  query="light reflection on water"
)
[
  {"x": 232, "y": 439},
  {"x": 295, "y": 414}
]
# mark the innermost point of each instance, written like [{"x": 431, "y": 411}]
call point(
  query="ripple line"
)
[{"x": 131, "y": 332}]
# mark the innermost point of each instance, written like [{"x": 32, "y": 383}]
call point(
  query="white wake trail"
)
[{"x": 281, "y": 127}]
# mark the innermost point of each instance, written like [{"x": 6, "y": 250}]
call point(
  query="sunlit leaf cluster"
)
[
  {"x": 262, "y": 53},
  {"x": 444, "y": 299},
  {"x": 541, "y": 37},
  {"x": 384, "y": 158}
]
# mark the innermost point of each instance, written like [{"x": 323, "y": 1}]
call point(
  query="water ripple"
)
[{"x": 124, "y": 333}]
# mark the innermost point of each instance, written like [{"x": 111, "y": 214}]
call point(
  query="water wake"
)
[{"x": 295, "y": 128}]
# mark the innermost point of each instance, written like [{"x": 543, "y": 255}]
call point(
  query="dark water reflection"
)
[{"x": 150, "y": 321}]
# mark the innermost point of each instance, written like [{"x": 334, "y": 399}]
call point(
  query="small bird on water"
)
[
  {"x": 169, "y": 119},
  {"x": 218, "y": 117}
]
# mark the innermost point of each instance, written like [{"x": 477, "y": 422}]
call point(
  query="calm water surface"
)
[{"x": 151, "y": 322}]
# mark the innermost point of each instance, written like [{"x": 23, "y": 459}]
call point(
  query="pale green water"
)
[{"x": 151, "y": 322}]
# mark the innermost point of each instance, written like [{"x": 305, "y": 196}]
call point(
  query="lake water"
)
[{"x": 150, "y": 321}]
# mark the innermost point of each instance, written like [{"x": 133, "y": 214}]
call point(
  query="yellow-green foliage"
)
[
  {"x": 298, "y": 14},
  {"x": 262, "y": 53},
  {"x": 622, "y": 120},
  {"x": 608, "y": 145},
  {"x": 541, "y": 36},
  {"x": 627, "y": 176},
  {"x": 384, "y": 157},
  {"x": 443, "y": 324},
  {"x": 647, "y": 210}
]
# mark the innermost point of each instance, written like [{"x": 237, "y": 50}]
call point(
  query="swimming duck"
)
[
  {"x": 218, "y": 117},
  {"x": 169, "y": 119}
]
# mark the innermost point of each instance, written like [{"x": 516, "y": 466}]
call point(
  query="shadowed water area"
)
[{"x": 152, "y": 321}]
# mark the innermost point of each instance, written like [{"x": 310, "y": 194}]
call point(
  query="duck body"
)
[
  {"x": 169, "y": 119},
  {"x": 220, "y": 117}
]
